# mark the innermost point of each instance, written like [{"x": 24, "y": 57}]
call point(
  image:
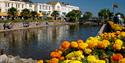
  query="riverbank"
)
[
  {"x": 20, "y": 25},
  {"x": 15, "y": 59}
]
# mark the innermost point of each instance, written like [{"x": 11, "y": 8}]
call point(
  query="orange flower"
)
[
  {"x": 53, "y": 60},
  {"x": 65, "y": 44},
  {"x": 122, "y": 60},
  {"x": 74, "y": 44},
  {"x": 117, "y": 47},
  {"x": 116, "y": 57},
  {"x": 62, "y": 58},
  {"x": 55, "y": 54},
  {"x": 80, "y": 41},
  {"x": 103, "y": 44}
]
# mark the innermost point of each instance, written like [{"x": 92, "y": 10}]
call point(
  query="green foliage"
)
[
  {"x": 87, "y": 15},
  {"x": 12, "y": 12},
  {"x": 104, "y": 14},
  {"x": 55, "y": 14},
  {"x": 74, "y": 15},
  {"x": 25, "y": 13},
  {"x": 33, "y": 14}
]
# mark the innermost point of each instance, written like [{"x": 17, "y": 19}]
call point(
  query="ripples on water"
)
[{"x": 38, "y": 43}]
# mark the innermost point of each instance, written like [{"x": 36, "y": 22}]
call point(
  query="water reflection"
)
[{"x": 38, "y": 43}]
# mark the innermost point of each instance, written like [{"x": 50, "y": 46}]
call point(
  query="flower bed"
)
[
  {"x": 115, "y": 27},
  {"x": 105, "y": 48}
]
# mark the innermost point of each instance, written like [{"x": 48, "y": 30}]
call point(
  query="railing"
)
[{"x": 102, "y": 29}]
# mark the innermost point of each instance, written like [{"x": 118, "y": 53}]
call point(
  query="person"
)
[
  {"x": 4, "y": 26},
  {"x": 46, "y": 23},
  {"x": 1, "y": 51},
  {"x": 115, "y": 19}
]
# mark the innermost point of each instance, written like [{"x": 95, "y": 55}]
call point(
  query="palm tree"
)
[
  {"x": 87, "y": 15},
  {"x": 104, "y": 14},
  {"x": 33, "y": 14},
  {"x": 25, "y": 13},
  {"x": 74, "y": 15},
  {"x": 55, "y": 14},
  {"x": 12, "y": 12}
]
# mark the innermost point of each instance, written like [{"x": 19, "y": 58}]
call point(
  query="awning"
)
[
  {"x": 3, "y": 14},
  {"x": 40, "y": 14}
]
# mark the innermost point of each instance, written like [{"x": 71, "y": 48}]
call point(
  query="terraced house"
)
[{"x": 46, "y": 8}]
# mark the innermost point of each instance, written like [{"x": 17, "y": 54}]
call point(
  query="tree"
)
[
  {"x": 104, "y": 14},
  {"x": 74, "y": 15},
  {"x": 87, "y": 15},
  {"x": 33, "y": 14},
  {"x": 122, "y": 15},
  {"x": 55, "y": 14},
  {"x": 25, "y": 13},
  {"x": 12, "y": 12}
]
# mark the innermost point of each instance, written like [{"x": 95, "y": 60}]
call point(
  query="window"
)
[
  {"x": 22, "y": 5},
  {"x": 43, "y": 7},
  {"x": 58, "y": 6},
  {"x": 49, "y": 7},
  {"x": 12, "y": 5},
  {"x": 40, "y": 6},
  {"x": 8, "y": 4},
  {"x": 46, "y": 7},
  {"x": 18, "y": 5},
  {"x": 30, "y": 5}
]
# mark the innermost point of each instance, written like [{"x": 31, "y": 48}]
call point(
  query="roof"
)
[
  {"x": 55, "y": 2},
  {"x": 52, "y": 3}
]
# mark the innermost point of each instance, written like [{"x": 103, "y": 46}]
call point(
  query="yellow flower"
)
[
  {"x": 106, "y": 42},
  {"x": 101, "y": 61},
  {"x": 82, "y": 45},
  {"x": 91, "y": 59},
  {"x": 122, "y": 34},
  {"x": 74, "y": 44},
  {"x": 66, "y": 61},
  {"x": 39, "y": 61},
  {"x": 118, "y": 41},
  {"x": 75, "y": 61},
  {"x": 87, "y": 51},
  {"x": 92, "y": 42}
]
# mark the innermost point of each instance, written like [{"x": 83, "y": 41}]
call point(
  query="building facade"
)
[{"x": 44, "y": 8}]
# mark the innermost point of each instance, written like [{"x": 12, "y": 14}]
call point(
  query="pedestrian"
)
[
  {"x": 4, "y": 26},
  {"x": 46, "y": 23}
]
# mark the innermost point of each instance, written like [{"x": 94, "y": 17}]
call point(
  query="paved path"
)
[{"x": 17, "y": 26}]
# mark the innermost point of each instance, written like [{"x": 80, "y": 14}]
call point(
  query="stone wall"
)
[{"x": 11, "y": 59}]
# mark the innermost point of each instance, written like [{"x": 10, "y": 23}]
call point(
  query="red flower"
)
[{"x": 116, "y": 57}]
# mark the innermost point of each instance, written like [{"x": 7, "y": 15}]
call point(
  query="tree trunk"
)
[{"x": 55, "y": 18}]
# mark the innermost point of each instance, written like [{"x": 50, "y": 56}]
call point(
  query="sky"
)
[{"x": 93, "y": 6}]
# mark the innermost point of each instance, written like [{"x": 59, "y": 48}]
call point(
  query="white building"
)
[
  {"x": 19, "y": 5},
  {"x": 47, "y": 8},
  {"x": 62, "y": 8},
  {"x": 43, "y": 8}
]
